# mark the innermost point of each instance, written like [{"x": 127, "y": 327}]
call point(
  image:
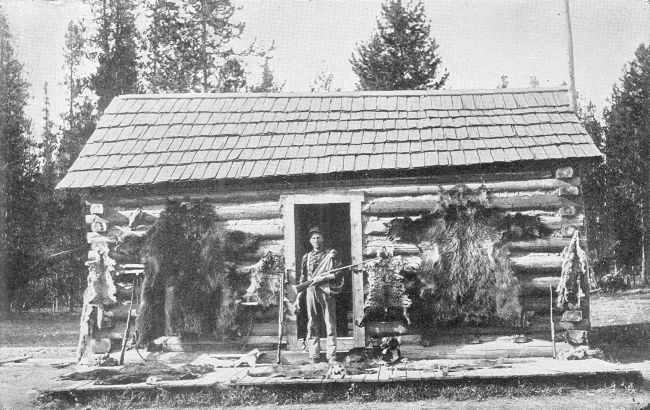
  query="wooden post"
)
[
  {"x": 550, "y": 288},
  {"x": 356, "y": 241},
  {"x": 289, "y": 230},
  {"x": 572, "y": 76},
  {"x": 280, "y": 317}
]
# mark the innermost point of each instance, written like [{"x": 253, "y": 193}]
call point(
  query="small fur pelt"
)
[
  {"x": 574, "y": 269},
  {"x": 265, "y": 280},
  {"x": 387, "y": 298}
]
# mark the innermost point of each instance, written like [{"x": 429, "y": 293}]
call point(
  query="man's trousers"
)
[{"x": 320, "y": 304}]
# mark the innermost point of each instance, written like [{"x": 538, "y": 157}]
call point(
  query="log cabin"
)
[{"x": 273, "y": 165}]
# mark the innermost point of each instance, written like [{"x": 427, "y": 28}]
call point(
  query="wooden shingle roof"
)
[{"x": 151, "y": 139}]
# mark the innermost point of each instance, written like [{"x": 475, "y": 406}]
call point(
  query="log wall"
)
[{"x": 552, "y": 194}]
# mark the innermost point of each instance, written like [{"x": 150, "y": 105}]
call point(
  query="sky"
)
[{"x": 479, "y": 41}]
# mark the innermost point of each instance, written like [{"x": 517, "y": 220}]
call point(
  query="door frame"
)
[{"x": 354, "y": 199}]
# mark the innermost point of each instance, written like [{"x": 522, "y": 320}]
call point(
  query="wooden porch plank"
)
[
  {"x": 414, "y": 374},
  {"x": 263, "y": 379},
  {"x": 66, "y": 386},
  {"x": 398, "y": 374},
  {"x": 236, "y": 376},
  {"x": 430, "y": 374},
  {"x": 117, "y": 387},
  {"x": 246, "y": 380},
  {"x": 356, "y": 378},
  {"x": 219, "y": 376},
  {"x": 318, "y": 380},
  {"x": 79, "y": 384},
  {"x": 276, "y": 380},
  {"x": 229, "y": 374},
  {"x": 384, "y": 374},
  {"x": 372, "y": 377}
]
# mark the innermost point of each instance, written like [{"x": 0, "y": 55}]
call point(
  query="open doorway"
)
[{"x": 334, "y": 220}]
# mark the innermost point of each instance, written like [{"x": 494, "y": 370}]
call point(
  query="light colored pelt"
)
[{"x": 100, "y": 294}]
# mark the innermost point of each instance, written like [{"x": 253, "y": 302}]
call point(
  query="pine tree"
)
[
  {"x": 268, "y": 84},
  {"x": 190, "y": 47},
  {"x": 63, "y": 231},
  {"x": 600, "y": 200},
  {"x": 116, "y": 43},
  {"x": 80, "y": 119},
  {"x": 504, "y": 82},
  {"x": 627, "y": 148},
  {"x": 48, "y": 146},
  {"x": 18, "y": 170},
  {"x": 232, "y": 77},
  {"x": 401, "y": 55},
  {"x": 323, "y": 82}
]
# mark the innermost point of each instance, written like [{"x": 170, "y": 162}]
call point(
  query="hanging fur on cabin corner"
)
[
  {"x": 188, "y": 281},
  {"x": 574, "y": 268},
  {"x": 465, "y": 268}
]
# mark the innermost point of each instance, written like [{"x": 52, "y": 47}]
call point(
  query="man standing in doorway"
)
[{"x": 321, "y": 294}]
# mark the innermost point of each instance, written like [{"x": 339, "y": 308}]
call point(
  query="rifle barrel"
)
[{"x": 352, "y": 265}]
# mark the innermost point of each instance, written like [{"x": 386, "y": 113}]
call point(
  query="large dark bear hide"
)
[
  {"x": 188, "y": 281},
  {"x": 465, "y": 271}
]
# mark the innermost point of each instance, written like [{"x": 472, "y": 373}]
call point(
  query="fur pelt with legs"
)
[
  {"x": 465, "y": 269},
  {"x": 265, "y": 280},
  {"x": 188, "y": 282}
]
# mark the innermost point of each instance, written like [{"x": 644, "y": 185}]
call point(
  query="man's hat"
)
[{"x": 314, "y": 230}]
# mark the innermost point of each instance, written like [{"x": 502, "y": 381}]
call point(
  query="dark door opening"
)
[{"x": 334, "y": 221}]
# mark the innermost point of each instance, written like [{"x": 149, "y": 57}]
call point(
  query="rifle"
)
[{"x": 305, "y": 285}]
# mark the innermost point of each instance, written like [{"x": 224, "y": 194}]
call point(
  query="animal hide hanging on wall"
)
[
  {"x": 574, "y": 267},
  {"x": 465, "y": 267},
  {"x": 99, "y": 295},
  {"x": 387, "y": 298},
  {"x": 265, "y": 280},
  {"x": 188, "y": 287}
]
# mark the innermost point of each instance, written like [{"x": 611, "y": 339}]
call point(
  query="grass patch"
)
[
  {"x": 620, "y": 326},
  {"x": 622, "y": 343},
  {"x": 338, "y": 393},
  {"x": 40, "y": 329}
]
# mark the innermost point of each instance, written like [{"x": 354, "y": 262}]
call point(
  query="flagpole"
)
[{"x": 572, "y": 78}]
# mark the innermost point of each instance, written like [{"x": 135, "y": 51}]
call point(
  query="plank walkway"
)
[{"x": 420, "y": 371}]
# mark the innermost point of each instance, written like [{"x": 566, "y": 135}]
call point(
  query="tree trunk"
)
[
  {"x": 4, "y": 275},
  {"x": 645, "y": 240},
  {"x": 56, "y": 291}
]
